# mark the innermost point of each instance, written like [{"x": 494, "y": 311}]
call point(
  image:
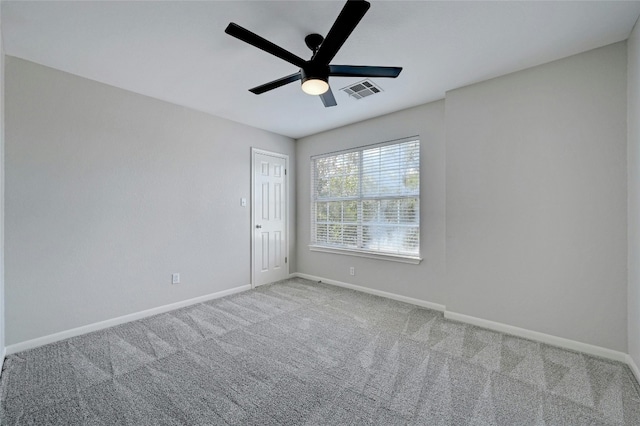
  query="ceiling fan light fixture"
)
[{"x": 315, "y": 86}]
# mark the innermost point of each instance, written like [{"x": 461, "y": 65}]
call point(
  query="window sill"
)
[{"x": 414, "y": 260}]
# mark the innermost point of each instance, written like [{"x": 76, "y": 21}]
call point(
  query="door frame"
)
[{"x": 252, "y": 234}]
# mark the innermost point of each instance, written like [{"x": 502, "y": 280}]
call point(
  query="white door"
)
[{"x": 269, "y": 204}]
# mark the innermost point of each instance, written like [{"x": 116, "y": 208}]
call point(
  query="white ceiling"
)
[{"x": 178, "y": 51}]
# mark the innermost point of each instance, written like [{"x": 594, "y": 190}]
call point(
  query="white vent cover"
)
[{"x": 362, "y": 89}]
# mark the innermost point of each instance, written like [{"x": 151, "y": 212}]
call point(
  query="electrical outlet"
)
[
  {"x": 352, "y": 271},
  {"x": 243, "y": 202},
  {"x": 175, "y": 278}
]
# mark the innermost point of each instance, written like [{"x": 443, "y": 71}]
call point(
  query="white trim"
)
[
  {"x": 51, "y": 338},
  {"x": 361, "y": 253},
  {"x": 411, "y": 300},
  {"x": 359, "y": 197},
  {"x": 255, "y": 151},
  {"x": 496, "y": 326},
  {"x": 539, "y": 337},
  {"x": 413, "y": 138},
  {"x": 634, "y": 367}
]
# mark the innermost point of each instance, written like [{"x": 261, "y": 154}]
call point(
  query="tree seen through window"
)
[{"x": 368, "y": 199}]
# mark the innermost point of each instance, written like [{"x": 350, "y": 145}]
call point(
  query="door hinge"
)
[
  {"x": 285, "y": 172},
  {"x": 285, "y": 260}
]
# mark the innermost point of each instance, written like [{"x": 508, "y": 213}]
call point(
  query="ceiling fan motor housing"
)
[
  {"x": 315, "y": 72},
  {"x": 313, "y": 42}
]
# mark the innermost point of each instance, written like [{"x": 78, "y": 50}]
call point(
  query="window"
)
[{"x": 366, "y": 201}]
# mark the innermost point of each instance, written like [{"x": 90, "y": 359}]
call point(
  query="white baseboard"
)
[
  {"x": 40, "y": 341},
  {"x": 496, "y": 326},
  {"x": 411, "y": 300},
  {"x": 539, "y": 337},
  {"x": 634, "y": 367}
]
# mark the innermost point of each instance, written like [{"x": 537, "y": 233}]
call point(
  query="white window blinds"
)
[{"x": 368, "y": 199}]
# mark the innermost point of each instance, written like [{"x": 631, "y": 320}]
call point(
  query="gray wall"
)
[
  {"x": 109, "y": 192},
  {"x": 536, "y": 198},
  {"x": 633, "y": 137},
  {"x": 424, "y": 281}
]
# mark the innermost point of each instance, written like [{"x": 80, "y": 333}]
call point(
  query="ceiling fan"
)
[{"x": 315, "y": 72}]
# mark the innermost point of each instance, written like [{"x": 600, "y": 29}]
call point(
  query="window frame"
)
[{"x": 360, "y": 198}]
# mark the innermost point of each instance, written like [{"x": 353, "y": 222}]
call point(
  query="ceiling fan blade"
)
[
  {"x": 276, "y": 83},
  {"x": 349, "y": 17},
  {"x": 327, "y": 99},
  {"x": 363, "y": 71},
  {"x": 254, "y": 39}
]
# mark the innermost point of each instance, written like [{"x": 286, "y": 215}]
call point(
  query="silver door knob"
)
[{"x": 259, "y": 226}]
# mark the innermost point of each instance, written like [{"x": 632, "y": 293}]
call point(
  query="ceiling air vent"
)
[{"x": 362, "y": 89}]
